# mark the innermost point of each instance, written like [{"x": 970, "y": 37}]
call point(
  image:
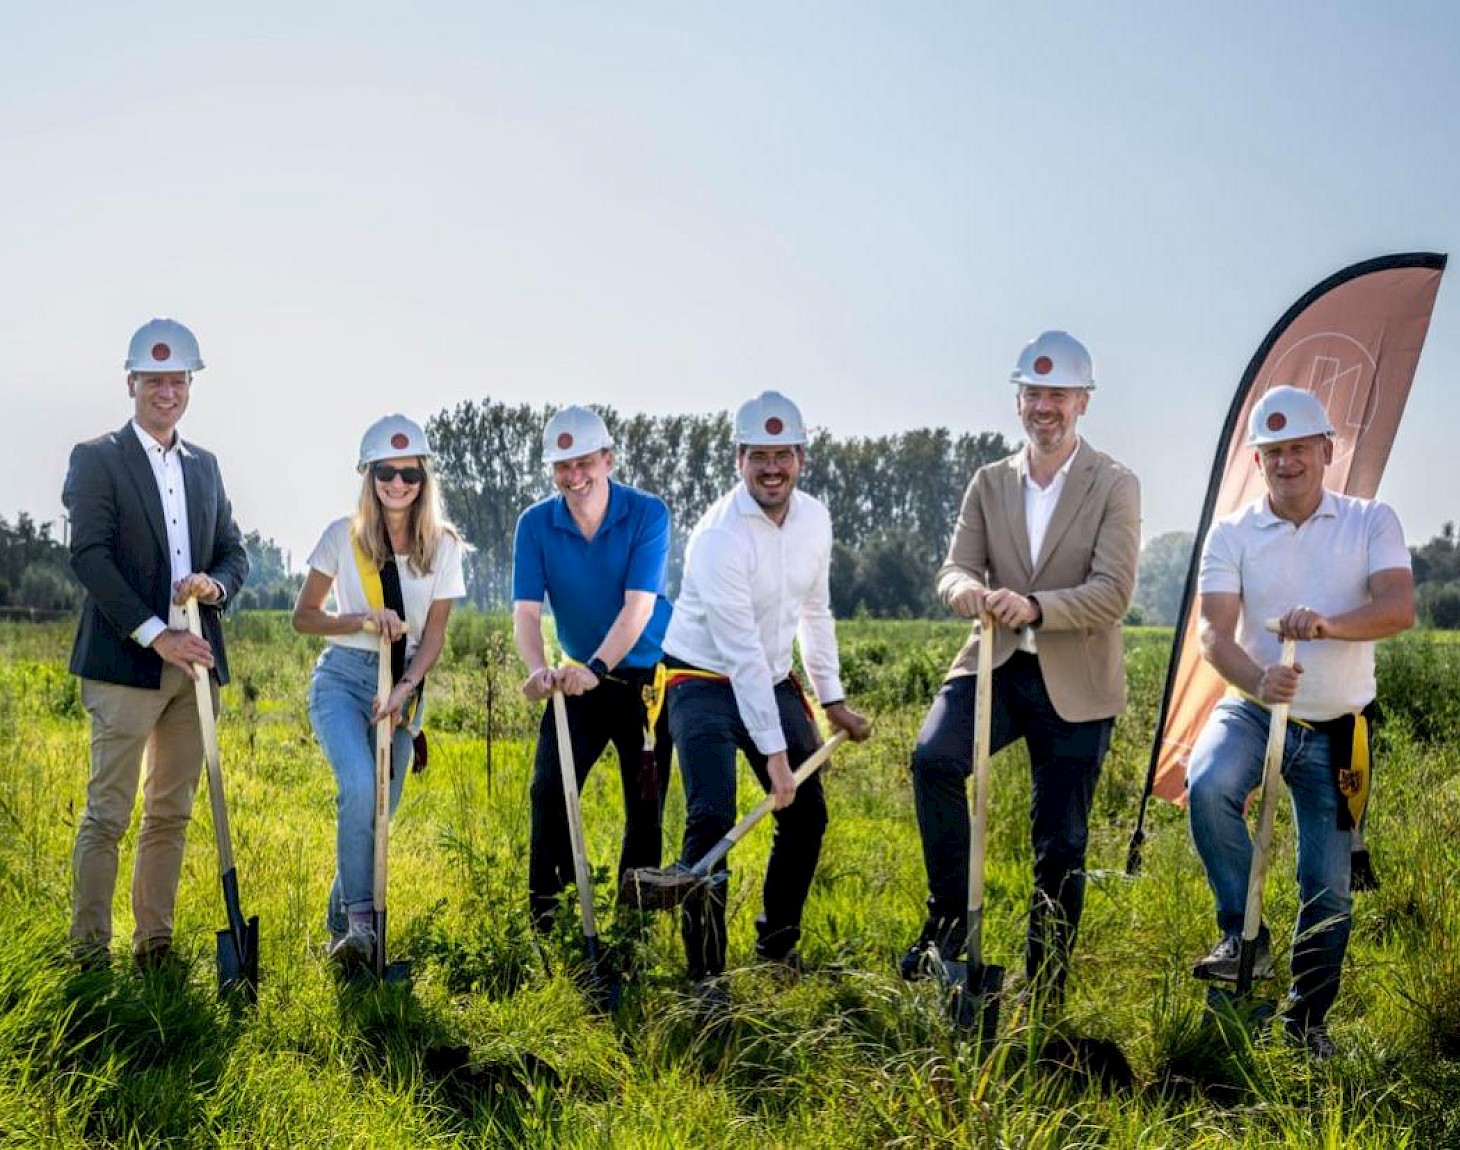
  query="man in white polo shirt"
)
[
  {"x": 755, "y": 576},
  {"x": 1336, "y": 573}
]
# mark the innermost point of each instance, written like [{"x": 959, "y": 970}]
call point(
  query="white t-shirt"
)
[
  {"x": 1325, "y": 564},
  {"x": 334, "y": 556}
]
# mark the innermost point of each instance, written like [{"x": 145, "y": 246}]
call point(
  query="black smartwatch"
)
[{"x": 598, "y": 667}]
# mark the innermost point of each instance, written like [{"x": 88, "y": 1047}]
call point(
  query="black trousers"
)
[
  {"x": 1065, "y": 760},
  {"x": 705, "y": 723},
  {"x": 611, "y": 712}
]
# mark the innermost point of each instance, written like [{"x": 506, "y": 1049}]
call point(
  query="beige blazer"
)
[{"x": 1083, "y": 581}]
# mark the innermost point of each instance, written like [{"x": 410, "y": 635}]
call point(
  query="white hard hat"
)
[
  {"x": 769, "y": 420},
  {"x": 163, "y": 345},
  {"x": 1286, "y": 413},
  {"x": 392, "y": 436},
  {"x": 1055, "y": 359},
  {"x": 572, "y": 432}
]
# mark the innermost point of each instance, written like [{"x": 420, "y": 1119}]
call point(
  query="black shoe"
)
[
  {"x": 1220, "y": 965},
  {"x": 790, "y": 962},
  {"x": 925, "y": 957},
  {"x": 711, "y": 999},
  {"x": 1312, "y": 1037}
]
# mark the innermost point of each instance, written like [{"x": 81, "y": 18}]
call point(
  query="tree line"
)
[{"x": 892, "y": 498}]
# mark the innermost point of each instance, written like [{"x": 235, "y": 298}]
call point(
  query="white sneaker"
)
[{"x": 355, "y": 948}]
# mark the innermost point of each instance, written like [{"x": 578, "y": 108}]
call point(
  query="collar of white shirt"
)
[
  {"x": 144, "y": 437},
  {"x": 1058, "y": 475},
  {"x": 1267, "y": 518}
]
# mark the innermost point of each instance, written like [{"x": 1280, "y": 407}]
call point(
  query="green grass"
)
[{"x": 492, "y": 1043}]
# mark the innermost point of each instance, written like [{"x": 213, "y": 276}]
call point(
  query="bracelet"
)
[{"x": 598, "y": 667}]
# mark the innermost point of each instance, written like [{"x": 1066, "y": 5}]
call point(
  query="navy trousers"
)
[{"x": 1065, "y": 760}]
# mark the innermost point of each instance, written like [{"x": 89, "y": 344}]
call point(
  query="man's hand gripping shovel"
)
[
  {"x": 1240, "y": 1002},
  {"x": 664, "y": 888},
  {"x": 603, "y": 990},
  {"x": 974, "y": 986},
  {"x": 238, "y": 943}
]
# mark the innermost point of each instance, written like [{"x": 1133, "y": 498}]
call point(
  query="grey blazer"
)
[{"x": 119, "y": 553}]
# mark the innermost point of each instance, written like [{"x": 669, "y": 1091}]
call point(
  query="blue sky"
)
[{"x": 668, "y": 207}]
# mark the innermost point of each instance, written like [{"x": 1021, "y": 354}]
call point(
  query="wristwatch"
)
[{"x": 598, "y": 667}]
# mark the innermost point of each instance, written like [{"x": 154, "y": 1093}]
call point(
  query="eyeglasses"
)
[{"x": 384, "y": 473}]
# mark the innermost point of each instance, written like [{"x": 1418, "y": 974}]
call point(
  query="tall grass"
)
[{"x": 493, "y": 1042}]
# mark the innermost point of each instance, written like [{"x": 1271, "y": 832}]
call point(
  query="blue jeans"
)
[
  {"x": 340, "y": 694},
  {"x": 1064, "y": 763},
  {"x": 1226, "y": 766}
]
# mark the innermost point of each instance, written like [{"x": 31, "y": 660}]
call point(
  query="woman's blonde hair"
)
[{"x": 426, "y": 522}]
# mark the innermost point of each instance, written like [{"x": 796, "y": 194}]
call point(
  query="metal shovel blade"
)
[
  {"x": 238, "y": 961},
  {"x": 973, "y": 998},
  {"x": 398, "y": 971},
  {"x": 603, "y": 990},
  {"x": 663, "y": 887}
]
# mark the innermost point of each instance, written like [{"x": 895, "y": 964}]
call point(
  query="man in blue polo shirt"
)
[{"x": 598, "y": 552}]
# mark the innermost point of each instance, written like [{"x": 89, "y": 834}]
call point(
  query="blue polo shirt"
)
[{"x": 584, "y": 581}]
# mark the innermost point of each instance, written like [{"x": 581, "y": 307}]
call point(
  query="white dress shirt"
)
[
  {"x": 167, "y": 471},
  {"x": 1039, "y": 505},
  {"x": 749, "y": 588}
]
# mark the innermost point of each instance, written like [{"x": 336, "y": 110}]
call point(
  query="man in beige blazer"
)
[{"x": 1046, "y": 542}]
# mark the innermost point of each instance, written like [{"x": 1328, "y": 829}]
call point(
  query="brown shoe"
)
[{"x": 155, "y": 955}]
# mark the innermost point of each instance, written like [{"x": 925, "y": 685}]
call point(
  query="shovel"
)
[
  {"x": 1272, "y": 772},
  {"x": 238, "y": 944},
  {"x": 604, "y": 992},
  {"x": 384, "y": 743},
  {"x": 664, "y": 888},
  {"x": 974, "y": 986}
]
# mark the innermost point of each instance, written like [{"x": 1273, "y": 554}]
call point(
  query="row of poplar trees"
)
[{"x": 893, "y": 498}]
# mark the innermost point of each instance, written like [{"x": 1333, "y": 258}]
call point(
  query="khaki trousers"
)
[{"x": 125, "y": 722}]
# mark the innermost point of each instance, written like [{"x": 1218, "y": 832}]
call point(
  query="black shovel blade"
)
[
  {"x": 602, "y": 988},
  {"x": 973, "y": 998},
  {"x": 238, "y": 961},
  {"x": 657, "y": 888},
  {"x": 1238, "y": 1014}
]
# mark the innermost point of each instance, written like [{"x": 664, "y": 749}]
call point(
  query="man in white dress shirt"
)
[{"x": 756, "y": 575}]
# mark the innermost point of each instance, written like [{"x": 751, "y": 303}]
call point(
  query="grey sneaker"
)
[
  {"x": 355, "y": 949},
  {"x": 1221, "y": 964}
]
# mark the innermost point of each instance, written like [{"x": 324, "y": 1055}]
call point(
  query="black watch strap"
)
[{"x": 598, "y": 667}]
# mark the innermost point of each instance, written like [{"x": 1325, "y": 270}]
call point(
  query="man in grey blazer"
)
[
  {"x": 1046, "y": 542},
  {"x": 151, "y": 526}
]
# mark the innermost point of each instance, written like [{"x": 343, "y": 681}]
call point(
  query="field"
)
[{"x": 493, "y": 1044}]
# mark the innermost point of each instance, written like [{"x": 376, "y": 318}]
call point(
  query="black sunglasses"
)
[{"x": 384, "y": 473}]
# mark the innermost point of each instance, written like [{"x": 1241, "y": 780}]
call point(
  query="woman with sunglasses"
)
[{"x": 395, "y": 567}]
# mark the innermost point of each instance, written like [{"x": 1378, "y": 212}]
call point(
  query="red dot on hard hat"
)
[
  {"x": 400, "y": 441},
  {"x": 1277, "y": 421},
  {"x": 565, "y": 440},
  {"x": 160, "y": 352},
  {"x": 774, "y": 426},
  {"x": 1043, "y": 365}
]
